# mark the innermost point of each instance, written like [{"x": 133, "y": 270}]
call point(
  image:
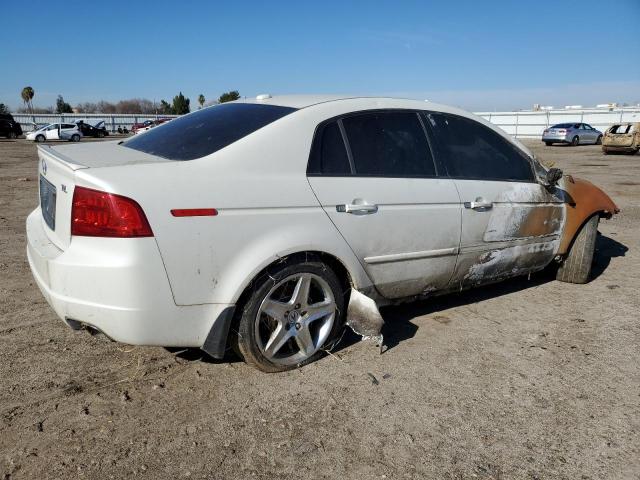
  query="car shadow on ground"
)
[{"x": 398, "y": 319}]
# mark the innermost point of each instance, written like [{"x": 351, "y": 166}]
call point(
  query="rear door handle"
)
[
  {"x": 479, "y": 204},
  {"x": 356, "y": 209}
]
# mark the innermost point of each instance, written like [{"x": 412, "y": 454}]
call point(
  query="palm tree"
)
[
  {"x": 27, "y": 97},
  {"x": 201, "y": 100}
]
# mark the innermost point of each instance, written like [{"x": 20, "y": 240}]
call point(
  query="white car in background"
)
[
  {"x": 56, "y": 131},
  {"x": 266, "y": 224}
]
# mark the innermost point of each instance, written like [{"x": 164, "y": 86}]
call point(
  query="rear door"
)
[
  {"x": 510, "y": 223},
  {"x": 374, "y": 175}
]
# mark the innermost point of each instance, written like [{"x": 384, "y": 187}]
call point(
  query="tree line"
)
[{"x": 178, "y": 106}]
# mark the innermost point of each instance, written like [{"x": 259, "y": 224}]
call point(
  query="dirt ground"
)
[{"x": 529, "y": 379}]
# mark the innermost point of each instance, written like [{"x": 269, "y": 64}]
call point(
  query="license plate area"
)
[{"x": 48, "y": 202}]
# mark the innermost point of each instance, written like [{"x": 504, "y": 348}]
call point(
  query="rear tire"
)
[
  {"x": 576, "y": 267},
  {"x": 100, "y": 134},
  {"x": 75, "y": 137},
  {"x": 12, "y": 136},
  {"x": 599, "y": 140},
  {"x": 575, "y": 141},
  {"x": 40, "y": 138},
  {"x": 548, "y": 144},
  {"x": 256, "y": 329},
  {"x": 605, "y": 150}
]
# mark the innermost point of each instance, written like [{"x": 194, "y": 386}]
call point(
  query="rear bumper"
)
[
  {"x": 118, "y": 286},
  {"x": 555, "y": 139}
]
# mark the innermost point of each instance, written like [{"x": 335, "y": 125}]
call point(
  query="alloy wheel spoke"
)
[
  {"x": 301, "y": 292},
  {"x": 305, "y": 341},
  {"x": 319, "y": 310},
  {"x": 275, "y": 309},
  {"x": 277, "y": 339}
]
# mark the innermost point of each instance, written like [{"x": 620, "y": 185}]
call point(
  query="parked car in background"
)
[
  {"x": 622, "y": 137},
  {"x": 260, "y": 223},
  {"x": 139, "y": 125},
  {"x": 573, "y": 134},
  {"x": 97, "y": 129},
  {"x": 151, "y": 124},
  {"x": 56, "y": 131},
  {"x": 9, "y": 128}
]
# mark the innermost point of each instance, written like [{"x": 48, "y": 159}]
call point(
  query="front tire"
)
[
  {"x": 576, "y": 267},
  {"x": 12, "y": 136},
  {"x": 75, "y": 137},
  {"x": 292, "y": 313},
  {"x": 599, "y": 140},
  {"x": 40, "y": 138},
  {"x": 575, "y": 141},
  {"x": 548, "y": 144}
]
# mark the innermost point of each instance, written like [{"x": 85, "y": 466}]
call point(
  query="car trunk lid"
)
[{"x": 57, "y": 179}]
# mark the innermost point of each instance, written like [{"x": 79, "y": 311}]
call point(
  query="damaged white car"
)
[{"x": 268, "y": 224}]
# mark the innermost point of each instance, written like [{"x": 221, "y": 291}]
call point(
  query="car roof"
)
[
  {"x": 361, "y": 103},
  {"x": 308, "y": 100}
]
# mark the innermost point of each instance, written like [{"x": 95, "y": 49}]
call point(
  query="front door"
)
[
  {"x": 511, "y": 224},
  {"x": 52, "y": 132},
  {"x": 375, "y": 177}
]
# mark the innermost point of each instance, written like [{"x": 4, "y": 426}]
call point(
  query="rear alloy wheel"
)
[
  {"x": 575, "y": 142},
  {"x": 75, "y": 137},
  {"x": 40, "y": 138},
  {"x": 576, "y": 267},
  {"x": 291, "y": 315},
  {"x": 599, "y": 140}
]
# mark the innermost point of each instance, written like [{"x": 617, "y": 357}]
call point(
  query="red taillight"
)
[{"x": 101, "y": 214}]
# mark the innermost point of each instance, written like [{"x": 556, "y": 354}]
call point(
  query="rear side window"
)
[
  {"x": 329, "y": 154},
  {"x": 206, "y": 131},
  {"x": 471, "y": 150},
  {"x": 389, "y": 144}
]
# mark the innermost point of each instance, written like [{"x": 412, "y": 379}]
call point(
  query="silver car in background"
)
[{"x": 573, "y": 134}]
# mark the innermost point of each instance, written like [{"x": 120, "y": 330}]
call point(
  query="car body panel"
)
[
  {"x": 523, "y": 218},
  {"x": 402, "y": 251},
  {"x": 583, "y": 200}
]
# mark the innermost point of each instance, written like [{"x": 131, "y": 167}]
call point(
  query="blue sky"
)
[{"x": 481, "y": 55}]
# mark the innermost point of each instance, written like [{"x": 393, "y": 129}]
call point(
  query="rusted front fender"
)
[{"x": 583, "y": 200}]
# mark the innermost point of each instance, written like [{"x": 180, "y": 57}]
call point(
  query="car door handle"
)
[
  {"x": 479, "y": 204},
  {"x": 357, "y": 209}
]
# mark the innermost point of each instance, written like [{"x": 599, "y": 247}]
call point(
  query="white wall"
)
[{"x": 531, "y": 124}]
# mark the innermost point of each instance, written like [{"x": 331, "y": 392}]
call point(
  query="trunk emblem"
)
[{"x": 44, "y": 167}]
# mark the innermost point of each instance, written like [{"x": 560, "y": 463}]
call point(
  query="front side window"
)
[
  {"x": 474, "y": 151},
  {"x": 389, "y": 144},
  {"x": 206, "y": 131}
]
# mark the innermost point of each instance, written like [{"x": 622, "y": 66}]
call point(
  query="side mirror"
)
[{"x": 553, "y": 176}]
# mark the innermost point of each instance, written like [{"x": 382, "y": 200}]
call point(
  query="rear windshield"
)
[
  {"x": 206, "y": 131},
  {"x": 565, "y": 125}
]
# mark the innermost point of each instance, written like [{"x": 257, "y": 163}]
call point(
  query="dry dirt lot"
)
[{"x": 530, "y": 379}]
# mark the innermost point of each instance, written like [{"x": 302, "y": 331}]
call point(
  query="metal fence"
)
[
  {"x": 524, "y": 124},
  {"x": 112, "y": 121},
  {"x": 531, "y": 124}
]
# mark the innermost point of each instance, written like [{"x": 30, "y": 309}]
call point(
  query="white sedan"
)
[
  {"x": 268, "y": 224},
  {"x": 56, "y": 131}
]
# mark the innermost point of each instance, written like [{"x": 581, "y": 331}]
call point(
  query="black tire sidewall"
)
[
  {"x": 246, "y": 341},
  {"x": 575, "y": 141}
]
